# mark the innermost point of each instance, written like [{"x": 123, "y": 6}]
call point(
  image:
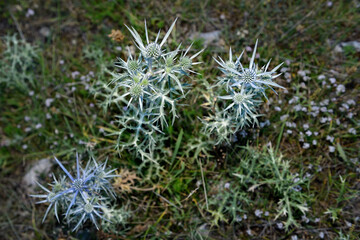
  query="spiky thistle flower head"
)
[
  {"x": 150, "y": 50},
  {"x": 244, "y": 86},
  {"x": 81, "y": 195}
]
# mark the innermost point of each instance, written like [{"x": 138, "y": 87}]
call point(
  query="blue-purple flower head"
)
[{"x": 74, "y": 194}]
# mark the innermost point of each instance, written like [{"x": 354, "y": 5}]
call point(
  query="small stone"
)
[{"x": 42, "y": 166}]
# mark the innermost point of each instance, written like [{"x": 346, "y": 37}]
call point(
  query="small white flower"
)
[
  {"x": 301, "y": 73},
  {"x": 348, "y": 224},
  {"x": 350, "y": 102},
  {"x": 352, "y": 131},
  {"x": 280, "y": 225},
  {"x": 308, "y": 133},
  {"x": 321, "y": 235},
  {"x": 297, "y": 108},
  {"x": 39, "y": 125},
  {"x": 323, "y": 120},
  {"x": 323, "y": 109},
  {"x": 48, "y": 102},
  {"x": 331, "y": 149},
  {"x": 29, "y": 13},
  {"x": 332, "y": 80},
  {"x": 75, "y": 74},
  {"x": 340, "y": 89},
  {"x": 330, "y": 138},
  {"x": 24, "y": 146},
  {"x": 258, "y": 213},
  {"x": 314, "y": 142},
  {"x": 306, "y": 145},
  {"x": 306, "y": 126},
  {"x": 284, "y": 117},
  {"x": 321, "y": 77},
  {"x": 305, "y": 219}
]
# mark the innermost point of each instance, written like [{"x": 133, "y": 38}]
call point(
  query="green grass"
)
[{"x": 172, "y": 204}]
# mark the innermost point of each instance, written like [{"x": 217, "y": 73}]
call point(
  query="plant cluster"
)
[
  {"x": 268, "y": 174},
  {"x": 244, "y": 87},
  {"x": 16, "y": 63},
  {"x": 83, "y": 196},
  {"x": 146, "y": 92}
]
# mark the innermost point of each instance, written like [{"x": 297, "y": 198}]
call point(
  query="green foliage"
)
[
  {"x": 118, "y": 217},
  {"x": 244, "y": 87},
  {"x": 17, "y": 64},
  {"x": 261, "y": 175},
  {"x": 190, "y": 169},
  {"x": 266, "y": 170}
]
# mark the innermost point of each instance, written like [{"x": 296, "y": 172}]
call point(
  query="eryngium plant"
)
[
  {"x": 147, "y": 91},
  {"x": 17, "y": 63},
  {"x": 82, "y": 196},
  {"x": 266, "y": 169},
  {"x": 262, "y": 179},
  {"x": 244, "y": 88}
]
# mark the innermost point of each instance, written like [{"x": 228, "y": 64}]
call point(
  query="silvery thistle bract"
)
[
  {"x": 244, "y": 87},
  {"x": 83, "y": 195}
]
